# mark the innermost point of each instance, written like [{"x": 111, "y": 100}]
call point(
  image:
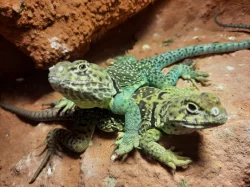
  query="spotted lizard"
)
[{"x": 88, "y": 85}]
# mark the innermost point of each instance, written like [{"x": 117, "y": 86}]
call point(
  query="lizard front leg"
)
[
  {"x": 148, "y": 144},
  {"x": 76, "y": 142},
  {"x": 130, "y": 109}
]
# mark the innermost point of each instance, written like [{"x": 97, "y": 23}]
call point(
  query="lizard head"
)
[
  {"x": 193, "y": 112},
  {"x": 87, "y": 85}
]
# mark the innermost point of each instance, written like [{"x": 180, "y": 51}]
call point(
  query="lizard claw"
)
[
  {"x": 51, "y": 150},
  {"x": 190, "y": 74},
  {"x": 114, "y": 157},
  {"x": 120, "y": 135},
  {"x": 203, "y": 80},
  {"x": 126, "y": 144},
  {"x": 50, "y": 104},
  {"x": 173, "y": 160},
  {"x": 64, "y": 105}
]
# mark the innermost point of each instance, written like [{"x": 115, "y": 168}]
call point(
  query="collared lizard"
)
[
  {"x": 171, "y": 111},
  {"x": 88, "y": 85}
]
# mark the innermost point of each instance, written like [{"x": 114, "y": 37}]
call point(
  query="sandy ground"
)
[{"x": 221, "y": 155}]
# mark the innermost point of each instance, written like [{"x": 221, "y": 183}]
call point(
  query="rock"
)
[{"x": 50, "y": 31}]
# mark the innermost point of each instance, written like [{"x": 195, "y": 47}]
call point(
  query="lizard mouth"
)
[
  {"x": 63, "y": 81},
  {"x": 53, "y": 78},
  {"x": 201, "y": 125},
  {"x": 206, "y": 126}
]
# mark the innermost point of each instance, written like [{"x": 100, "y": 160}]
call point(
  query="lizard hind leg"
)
[
  {"x": 76, "y": 142},
  {"x": 51, "y": 147}
]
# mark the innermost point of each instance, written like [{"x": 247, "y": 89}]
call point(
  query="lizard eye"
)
[
  {"x": 82, "y": 67},
  {"x": 192, "y": 108}
]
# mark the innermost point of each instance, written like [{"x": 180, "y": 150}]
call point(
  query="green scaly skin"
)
[
  {"x": 88, "y": 85},
  {"x": 237, "y": 26},
  {"x": 171, "y": 111}
]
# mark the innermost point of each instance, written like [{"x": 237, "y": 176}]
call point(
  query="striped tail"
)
[{"x": 44, "y": 115}]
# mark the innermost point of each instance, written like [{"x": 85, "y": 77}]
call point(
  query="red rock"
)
[{"x": 50, "y": 31}]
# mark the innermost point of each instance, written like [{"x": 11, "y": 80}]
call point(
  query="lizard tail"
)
[
  {"x": 44, "y": 115},
  {"x": 171, "y": 57},
  {"x": 238, "y": 26},
  {"x": 42, "y": 165}
]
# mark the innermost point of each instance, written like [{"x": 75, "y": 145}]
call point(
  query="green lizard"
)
[
  {"x": 171, "y": 111},
  {"x": 88, "y": 85},
  {"x": 238, "y": 26}
]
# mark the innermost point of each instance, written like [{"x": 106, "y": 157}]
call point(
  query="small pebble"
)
[
  {"x": 155, "y": 35},
  {"x": 49, "y": 171},
  {"x": 145, "y": 47},
  {"x": 220, "y": 86},
  {"x": 231, "y": 38},
  {"x": 230, "y": 68}
]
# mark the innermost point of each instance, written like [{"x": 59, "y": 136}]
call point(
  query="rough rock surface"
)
[
  {"x": 49, "y": 31},
  {"x": 221, "y": 155}
]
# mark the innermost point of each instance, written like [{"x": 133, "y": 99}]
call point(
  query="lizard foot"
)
[
  {"x": 64, "y": 105},
  {"x": 52, "y": 146},
  {"x": 173, "y": 159},
  {"x": 125, "y": 143},
  {"x": 189, "y": 73}
]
